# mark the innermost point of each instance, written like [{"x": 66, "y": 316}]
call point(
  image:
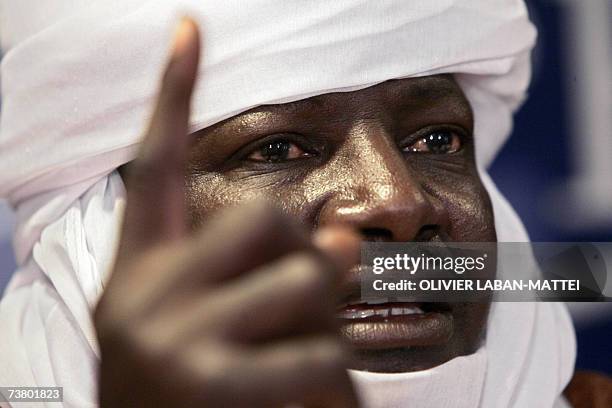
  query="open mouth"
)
[
  {"x": 378, "y": 310},
  {"x": 386, "y": 325}
]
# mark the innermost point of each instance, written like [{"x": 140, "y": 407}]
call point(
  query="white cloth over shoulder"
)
[{"x": 78, "y": 80}]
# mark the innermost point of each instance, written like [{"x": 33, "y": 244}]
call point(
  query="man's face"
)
[{"x": 395, "y": 162}]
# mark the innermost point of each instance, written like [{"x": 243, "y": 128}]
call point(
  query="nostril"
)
[
  {"x": 376, "y": 234},
  {"x": 428, "y": 233}
]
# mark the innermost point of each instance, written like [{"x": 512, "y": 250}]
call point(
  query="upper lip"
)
[{"x": 350, "y": 294}]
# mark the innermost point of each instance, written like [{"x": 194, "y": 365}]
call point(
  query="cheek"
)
[
  {"x": 211, "y": 192},
  {"x": 472, "y": 321},
  {"x": 468, "y": 205},
  {"x": 472, "y": 215}
]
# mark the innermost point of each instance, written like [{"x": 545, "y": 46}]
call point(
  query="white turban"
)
[{"x": 78, "y": 81}]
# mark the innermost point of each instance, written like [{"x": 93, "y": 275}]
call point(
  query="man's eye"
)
[
  {"x": 277, "y": 151},
  {"x": 439, "y": 142}
]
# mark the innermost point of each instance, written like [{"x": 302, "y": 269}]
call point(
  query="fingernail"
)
[{"x": 182, "y": 36}]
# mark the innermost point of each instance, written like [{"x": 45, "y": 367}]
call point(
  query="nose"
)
[{"x": 382, "y": 196}]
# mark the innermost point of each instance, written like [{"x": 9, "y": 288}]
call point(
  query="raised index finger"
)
[{"x": 155, "y": 183}]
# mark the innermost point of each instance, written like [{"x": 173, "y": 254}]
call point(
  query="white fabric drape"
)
[{"x": 78, "y": 80}]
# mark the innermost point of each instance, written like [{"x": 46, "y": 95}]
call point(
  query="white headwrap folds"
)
[{"x": 78, "y": 81}]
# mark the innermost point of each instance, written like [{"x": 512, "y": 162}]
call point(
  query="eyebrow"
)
[
  {"x": 296, "y": 106},
  {"x": 264, "y": 110},
  {"x": 418, "y": 89},
  {"x": 428, "y": 88}
]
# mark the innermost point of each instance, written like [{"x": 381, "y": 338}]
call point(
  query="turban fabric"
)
[{"x": 78, "y": 81}]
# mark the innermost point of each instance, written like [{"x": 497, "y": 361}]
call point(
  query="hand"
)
[{"x": 239, "y": 314}]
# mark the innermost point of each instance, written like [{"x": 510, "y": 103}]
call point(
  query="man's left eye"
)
[
  {"x": 439, "y": 142},
  {"x": 277, "y": 151}
]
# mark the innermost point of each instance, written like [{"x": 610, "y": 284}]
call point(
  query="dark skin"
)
[
  {"x": 346, "y": 159},
  {"x": 188, "y": 321}
]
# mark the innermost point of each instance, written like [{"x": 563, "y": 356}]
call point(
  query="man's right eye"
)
[{"x": 277, "y": 151}]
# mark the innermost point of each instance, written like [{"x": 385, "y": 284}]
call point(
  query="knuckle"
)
[
  {"x": 270, "y": 222},
  {"x": 330, "y": 355},
  {"x": 119, "y": 332},
  {"x": 216, "y": 367},
  {"x": 273, "y": 225},
  {"x": 213, "y": 372},
  {"x": 324, "y": 356},
  {"x": 143, "y": 343},
  {"x": 264, "y": 211},
  {"x": 311, "y": 275}
]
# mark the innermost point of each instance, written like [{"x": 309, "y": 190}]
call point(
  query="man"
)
[{"x": 236, "y": 307}]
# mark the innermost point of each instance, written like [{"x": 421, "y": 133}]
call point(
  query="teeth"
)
[
  {"x": 377, "y": 301},
  {"x": 403, "y": 311},
  {"x": 362, "y": 314},
  {"x": 368, "y": 302},
  {"x": 365, "y": 313},
  {"x": 365, "y": 302}
]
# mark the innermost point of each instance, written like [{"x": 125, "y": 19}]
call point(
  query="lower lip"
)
[{"x": 385, "y": 326}]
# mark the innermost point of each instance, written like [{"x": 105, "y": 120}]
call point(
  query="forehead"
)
[
  {"x": 422, "y": 95},
  {"x": 413, "y": 91},
  {"x": 426, "y": 87}
]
